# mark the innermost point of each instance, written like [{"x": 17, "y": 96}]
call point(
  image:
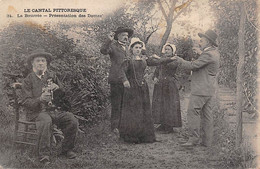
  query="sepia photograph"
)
[{"x": 120, "y": 84}]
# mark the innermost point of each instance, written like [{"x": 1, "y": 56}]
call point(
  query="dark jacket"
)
[
  {"x": 166, "y": 71},
  {"x": 149, "y": 61},
  {"x": 117, "y": 56},
  {"x": 32, "y": 90}
]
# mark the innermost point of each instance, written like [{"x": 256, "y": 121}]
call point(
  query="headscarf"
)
[
  {"x": 134, "y": 40},
  {"x": 171, "y": 45}
]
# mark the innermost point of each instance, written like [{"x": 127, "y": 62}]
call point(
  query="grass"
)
[
  {"x": 22, "y": 157},
  {"x": 224, "y": 145},
  {"x": 91, "y": 142}
]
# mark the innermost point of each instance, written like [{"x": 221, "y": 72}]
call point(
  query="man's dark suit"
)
[{"x": 117, "y": 53}]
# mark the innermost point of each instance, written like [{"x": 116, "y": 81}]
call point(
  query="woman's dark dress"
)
[
  {"x": 166, "y": 101},
  {"x": 136, "y": 124}
]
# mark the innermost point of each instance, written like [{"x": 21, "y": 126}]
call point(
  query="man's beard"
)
[
  {"x": 124, "y": 41},
  {"x": 40, "y": 72}
]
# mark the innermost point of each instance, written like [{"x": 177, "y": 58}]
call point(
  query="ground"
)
[{"x": 100, "y": 148}]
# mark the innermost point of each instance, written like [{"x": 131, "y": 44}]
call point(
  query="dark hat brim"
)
[
  {"x": 206, "y": 36},
  {"x": 129, "y": 31},
  {"x": 48, "y": 57}
]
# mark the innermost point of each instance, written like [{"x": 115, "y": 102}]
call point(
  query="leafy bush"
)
[
  {"x": 84, "y": 78},
  {"x": 227, "y": 25},
  {"x": 224, "y": 144}
]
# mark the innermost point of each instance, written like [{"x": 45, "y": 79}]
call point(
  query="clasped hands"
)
[
  {"x": 174, "y": 58},
  {"x": 196, "y": 50}
]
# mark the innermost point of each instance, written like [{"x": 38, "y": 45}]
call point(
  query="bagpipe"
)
[
  {"x": 58, "y": 99},
  {"x": 48, "y": 90}
]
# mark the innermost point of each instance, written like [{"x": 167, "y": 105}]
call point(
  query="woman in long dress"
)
[
  {"x": 166, "y": 102},
  {"x": 136, "y": 124}
]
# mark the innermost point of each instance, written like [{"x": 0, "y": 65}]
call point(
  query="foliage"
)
[
  {"x": 224, "y": 144},
  {"x": 144, "y": 16},
  {"x": 137, "y": 15},
  {"x": 110, "y": 23},
  {"x": 83, "y": 77},
  {"x": 228, "y": 17}
]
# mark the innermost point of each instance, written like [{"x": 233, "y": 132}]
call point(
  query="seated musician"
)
[{"x": 39, "y": 90}]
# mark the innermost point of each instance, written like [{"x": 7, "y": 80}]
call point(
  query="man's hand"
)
[
  {"x": 45, "y": 97},
  {"x": 111, "y": 35},
  {"x": 54, "y": 87},
  {"x": 126, "y": 84},
  {"x": 177, "y": 59},
  {"x": 196, "y": 50},
  {"x": 156, "y": 80}
]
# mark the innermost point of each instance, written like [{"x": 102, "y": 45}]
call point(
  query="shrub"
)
[{"x": 83, "y": 77}]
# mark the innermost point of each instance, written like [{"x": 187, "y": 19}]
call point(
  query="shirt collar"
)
[
  {"x": 207, "y": 48},
  {"x": 123, "y": 44}
]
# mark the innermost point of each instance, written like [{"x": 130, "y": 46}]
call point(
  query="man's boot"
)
[{"x": 193, "y": 141}]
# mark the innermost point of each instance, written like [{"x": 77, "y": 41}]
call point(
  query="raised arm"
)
[{"x": 106, "y": 47}]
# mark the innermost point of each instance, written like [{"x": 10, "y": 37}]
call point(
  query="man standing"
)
[
  {"x": 38, "y": 89},
  {"x": 203, "y": 84},
  {"x": 117, "y": 50}
]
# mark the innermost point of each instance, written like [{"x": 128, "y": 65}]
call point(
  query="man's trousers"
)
[
  {"x": 117, "y": 92},
  {"x": 65, "y": 121},
  {"x": 200, "y": 118}
]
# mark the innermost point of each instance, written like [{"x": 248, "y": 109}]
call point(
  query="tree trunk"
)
[
  {"x": 166, "y": 33},
  {"x": 169, "y": 18},
  {"x": 240, "y": 66}
]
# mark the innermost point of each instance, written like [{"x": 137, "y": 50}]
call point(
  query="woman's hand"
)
[
  {"x": 155, "y": 56},
  {"x": 126, "y": 84},
  {"x": 177, "y": 59}
]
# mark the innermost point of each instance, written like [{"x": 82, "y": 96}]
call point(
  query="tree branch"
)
[
  {"x": 153, "y": 14},
  {"x": 167, "y": 4},
  {"x": 249, "y": 19},
  {"x": 162, "y": 9},
  {"x": 154, "y": 26},
  {"x": 148, "y": 37},
  {"x": 182, "y": 10},
  {"x": 173, "y": 4},
  {"x": 248, "y": 100}
]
